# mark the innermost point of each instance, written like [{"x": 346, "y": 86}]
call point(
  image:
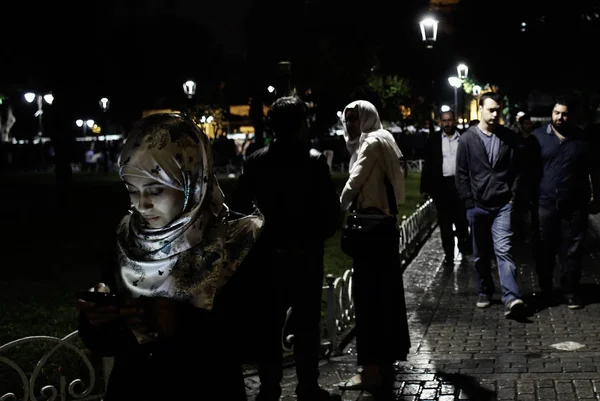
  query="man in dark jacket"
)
[
  {"x": 438, "y": 181},
  {"x": 291, "y": 186},
  {"x": 487, "y": 177},
  {"x": 563, "y": 167}
]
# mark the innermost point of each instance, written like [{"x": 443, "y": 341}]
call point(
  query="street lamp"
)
[
  {"x": 189, "y": 88},
  {"x": 104, "y": 104},
  {"x": 445, "y": 108},
  {"x": 455, "y": 82},
  {"x": 429, "y": 28},
  {"x": 48, "y": 98},
  {"x": 476, "y": 90},
  {"x": 463, "y": 71},
  {"x": 85, "y": 124}
]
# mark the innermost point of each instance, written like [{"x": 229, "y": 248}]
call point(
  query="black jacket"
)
[
  {"x": 294, "y": 190},
  {"x": 480, "y": 183},
  {"x": 432, "y": 173}
]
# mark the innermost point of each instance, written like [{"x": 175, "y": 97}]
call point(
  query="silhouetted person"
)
[{"x": 291, "y": 185}]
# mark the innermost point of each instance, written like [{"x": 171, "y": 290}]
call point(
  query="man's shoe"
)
[
  {"x": 515, "y": 308},
  {"x": 484, "y": 301},
  {"x": 573, "y": 301},
  {"x": 318, "y": 394}
]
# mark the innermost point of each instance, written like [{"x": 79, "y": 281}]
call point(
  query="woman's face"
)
[
  {"x": 352, "y": 122},
  {"x": 157, "y": 203}
]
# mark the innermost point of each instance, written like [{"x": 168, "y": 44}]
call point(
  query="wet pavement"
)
[{"x": 460, "y": 352}]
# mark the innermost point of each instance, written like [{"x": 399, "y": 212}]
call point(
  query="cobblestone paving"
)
[{"x": 460, "y": 352}]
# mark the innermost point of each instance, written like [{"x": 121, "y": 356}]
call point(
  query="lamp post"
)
[
  {"x": 477, "y": 93},
  {"x": 429, "y": 28},
  {"x": 455, "y": 82},
  {"x": 104, "y": 104},
  {"x": 48, "y": 98},
  {"x": 85, "y": 124},
  {"x": 189, "y": 88},
  {"x": 463, "y": 71}
]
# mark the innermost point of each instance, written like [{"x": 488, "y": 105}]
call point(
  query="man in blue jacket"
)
[
  {"x": 487, "y": 178},
  {"x": 563, "y": 167}
]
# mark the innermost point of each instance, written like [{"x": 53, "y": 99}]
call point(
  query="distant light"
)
[
  {"x": 455, "y": 82},
  {"x": 79, "y": 123},
  {"x": 523, "y": 23},
  {"x": 210, "y": 119},
  {"x": 189, "y": 87},
  {"x": 520, "y": 114},
  {"x": 339, "y": 114},
  {"x": 476, "y": 90},
  {"x": 271, "y": 89},
  {"x": 49, "y": 98},
  {"x": 203, "y": 119},
  {"x": 104, "y": 103},
  {"x": 429, "y": 28},
  {"x": 29, "y": 97},
  {"x": 90, "y": 123},
  {"x": 463, "y": 71},
  {"x": 445, "y": 108}
]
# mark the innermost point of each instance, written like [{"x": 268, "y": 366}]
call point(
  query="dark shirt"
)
[{"x": 561, "y": 169}]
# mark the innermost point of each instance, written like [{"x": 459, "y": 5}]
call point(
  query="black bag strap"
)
[
  {"x": 391, "y": 196},
  {"x": 389, "y": 189}
]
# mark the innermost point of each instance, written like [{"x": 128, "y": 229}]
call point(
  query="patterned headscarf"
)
[{"x": 194, "y": 255}]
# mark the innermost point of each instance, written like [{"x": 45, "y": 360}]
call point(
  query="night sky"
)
[{"x": 138, "y": 53}]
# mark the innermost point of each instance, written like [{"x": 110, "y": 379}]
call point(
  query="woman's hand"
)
[{"x": 100, "y": 308}]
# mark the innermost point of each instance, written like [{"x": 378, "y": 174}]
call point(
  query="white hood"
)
[{"x": 371, "y": 127}]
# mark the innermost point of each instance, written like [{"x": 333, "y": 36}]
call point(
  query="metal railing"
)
[
  {"x": 338, "y": 290},
  {"x": 339, "y": 318},
  {"x": 59, "y": 387}
]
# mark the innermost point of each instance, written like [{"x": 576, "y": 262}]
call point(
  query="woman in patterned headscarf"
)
[{"x": 177, "y": 250}]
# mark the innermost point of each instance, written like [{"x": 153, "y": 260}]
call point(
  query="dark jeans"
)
[
  {"x": 491, "y": 231},
  {"x": 451, "y": 211},
  {"x": 297, "y": 282},
  {"x": 562, "y": 234}
]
